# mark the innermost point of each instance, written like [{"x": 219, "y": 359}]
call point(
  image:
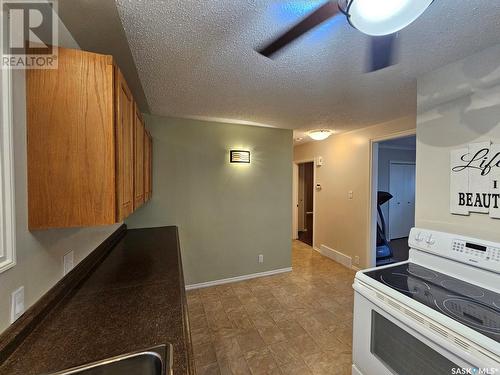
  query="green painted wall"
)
[{"x": 227, "y": 214}]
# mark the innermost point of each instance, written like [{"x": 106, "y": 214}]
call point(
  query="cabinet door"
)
[
  {"x": 147, "y": 170},
  {"x": 139, "y": 159},
  {"x": 71, "y": 142},
  {"x": 150, "y": 166},
  {"x": 124, "y": 115}
]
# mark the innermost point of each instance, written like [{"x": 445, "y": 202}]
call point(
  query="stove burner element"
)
[
  {"x": 496, "y": 303},
  {"x": 421, "y": 272},
  {"x": 462, "y": 288},
  {"x": 473, "y": 314},
  {"x": 467, "y": 304},
  {"x": 404, "y": 283}
]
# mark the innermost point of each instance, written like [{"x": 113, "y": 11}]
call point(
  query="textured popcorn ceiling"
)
[{"x": 196, "y": 58}]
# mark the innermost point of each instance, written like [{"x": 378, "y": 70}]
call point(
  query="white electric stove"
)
[{"x": 437, "y": 313}]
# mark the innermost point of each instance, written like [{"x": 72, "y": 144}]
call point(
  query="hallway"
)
[{"x": 294, "y": 323}]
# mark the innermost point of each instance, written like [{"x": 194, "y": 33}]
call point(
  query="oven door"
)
[{"x": 384, "y": 345}]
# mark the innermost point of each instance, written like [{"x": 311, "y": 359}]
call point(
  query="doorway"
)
[
  {"x": 393, "y": 198},
  {"x": 305, "y": 202}
]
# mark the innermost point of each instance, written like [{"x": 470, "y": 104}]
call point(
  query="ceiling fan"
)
[{"x": 380, "y": 19}]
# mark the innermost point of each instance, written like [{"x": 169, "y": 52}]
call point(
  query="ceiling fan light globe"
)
[
  {"x": 320, "y": 135},
  {"x": 384, "y": 17}
]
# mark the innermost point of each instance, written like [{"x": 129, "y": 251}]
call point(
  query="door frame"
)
[
  {"x": 371, "y": 246},
  {"x": 295, "y": 190},
  {"x": 295, "y": 202},
  {"x": 391, "y": 163}
]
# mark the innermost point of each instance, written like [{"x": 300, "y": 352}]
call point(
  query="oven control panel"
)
[
  {"x": 476, "y": 250},
  {"x": 480, "y": 253}
]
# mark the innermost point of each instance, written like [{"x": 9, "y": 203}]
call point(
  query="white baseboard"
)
[
  {"x": 354, "y": 268},
  {"x": 316, "y": 249},
  {"x": 336, "y": 256},
  {"x": 237, "y": 278}
]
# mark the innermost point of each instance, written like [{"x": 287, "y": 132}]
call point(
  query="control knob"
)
[
  {"x": 419, "y": 237},
  {"x": 430, "y": 240}
]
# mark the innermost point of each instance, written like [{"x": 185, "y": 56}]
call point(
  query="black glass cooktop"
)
[{"x": 476, "y": 307}]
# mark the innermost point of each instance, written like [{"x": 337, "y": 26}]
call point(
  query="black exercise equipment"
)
[{"x": 384, "y": 251}]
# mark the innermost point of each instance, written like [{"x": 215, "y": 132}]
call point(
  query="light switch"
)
[
  {"x": 16, "y": 304},
  {"x": 350, "y": 194}
]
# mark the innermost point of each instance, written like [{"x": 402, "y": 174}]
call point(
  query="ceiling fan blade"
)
[
  {"x": 320, "y": 15},
  {"x": 383, "y": 52}
]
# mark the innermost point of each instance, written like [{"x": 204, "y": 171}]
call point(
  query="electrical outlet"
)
[
  {"x": 16, "y": 304},
  {"x": 68, "y": 262},
  {"x": 261, "y": 258},
  {"x": 356, "y": 260}
]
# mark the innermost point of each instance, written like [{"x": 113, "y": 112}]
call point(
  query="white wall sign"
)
[{"x": 475, "y": 180}]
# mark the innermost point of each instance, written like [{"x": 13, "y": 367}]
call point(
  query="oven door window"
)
[{"x": 402, "y": 353}]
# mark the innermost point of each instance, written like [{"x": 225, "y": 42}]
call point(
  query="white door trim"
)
[
  {"x": 313, "y": 160},
  {"x": 371, "y": 246},
  {"x": 295, "y": 201}
]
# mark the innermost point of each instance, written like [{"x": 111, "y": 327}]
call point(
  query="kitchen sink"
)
[{"x": 153, "y": 361}]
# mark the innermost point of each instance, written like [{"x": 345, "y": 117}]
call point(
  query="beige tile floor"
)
[{"x": 294, "y": 323}]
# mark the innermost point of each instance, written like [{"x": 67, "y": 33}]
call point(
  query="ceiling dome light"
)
[
  {"x": 384, "y": 17},
  {"x": 320, "y": 134}
]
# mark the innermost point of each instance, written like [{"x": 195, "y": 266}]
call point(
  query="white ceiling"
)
[{"x": 196, "y": 59}]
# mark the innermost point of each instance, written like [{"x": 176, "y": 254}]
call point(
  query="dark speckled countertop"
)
[{"x": 133, "y": 300}]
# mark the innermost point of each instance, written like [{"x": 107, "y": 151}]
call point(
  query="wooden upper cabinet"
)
[
  {"x": 70, "y": 141},
  {"x": 84, "y": 141},
  {"x": 150, "y": 166},
  {"x": 124, "y": 114},
  {"x": 148, "y": 145},
  {"x": 139, "y": 159}
]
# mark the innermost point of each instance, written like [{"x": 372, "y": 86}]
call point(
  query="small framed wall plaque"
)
[{"x": 475, "y": 180}]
